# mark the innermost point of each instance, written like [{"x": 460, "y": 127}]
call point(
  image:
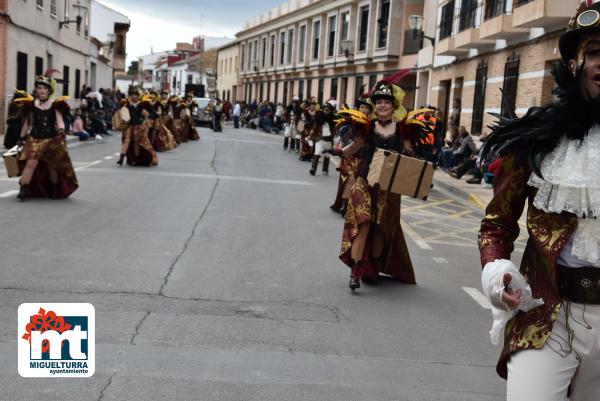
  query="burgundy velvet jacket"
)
[{"x": 548, "y": 233}]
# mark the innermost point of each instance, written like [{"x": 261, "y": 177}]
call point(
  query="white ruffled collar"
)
[{"x": 571, "y": 184}]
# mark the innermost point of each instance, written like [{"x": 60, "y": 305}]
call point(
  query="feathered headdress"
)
[{"x": 361, "y": 124}]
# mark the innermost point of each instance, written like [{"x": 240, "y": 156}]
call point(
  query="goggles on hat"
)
[{"x": 588, "y": 18}]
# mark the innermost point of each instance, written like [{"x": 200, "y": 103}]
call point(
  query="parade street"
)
[{"x": 215, "y": 276}]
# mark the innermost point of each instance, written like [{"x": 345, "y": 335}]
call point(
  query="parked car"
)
[{"x": 202, "y": 114}]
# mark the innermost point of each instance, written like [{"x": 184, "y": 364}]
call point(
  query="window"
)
[
  {"x": 316, "y": 34},
  {"x": 383, "y": 23},
  {"x": 50, "y": 60},
  {"x": 250, "y": 56},
  {"x": 359, "y": 87},
  {"x": 290, "y": 45},
  {"x": 65, "y": 80},
  {"x": 40, "y": 4},
  {"x": 509, "y": 88},
  {"x": 479, "y": 98},
  {"x": 242, "y": 53},
  {"x": 276, "y": 92},
  {"x": 255, "y": 56},
  {"x": 302, "y": 43},
  {"x": 272, "y": 50},
  {"x": 285, "y": 92},
  {"x": 190, "y": 78},
  {"x": 334, "y": 88},
  {"x": 269, "y": 91},
  {"x": 363, "y": 29},
  {"x": 331, "y": 37},
  {"x": 264, "y": 52},
  {"x": 468, "y": 10},
  {"x": 344, "y": 29},
  {"x": 261, "y": 92},
  {"x": 320, "y": 90},
  {"x": 344, "y": 97},
  {"x": 372, "y": 81},
  {"x": 301, "y": 89},
  {"x": 308, "y": 88},
  {"x": 67, "y": 6},
  {"x": 494, "y": 8},
  {"x": 77, "y": 83},
  {"x": 281, "y": 48},
  {"x": 86, "y": 24},
  {"x": 21, "y": 71},
  {"x": 39, "y": 66},
  {"x": 446, "y": 20},
  {"x": 53, "y": 8}
]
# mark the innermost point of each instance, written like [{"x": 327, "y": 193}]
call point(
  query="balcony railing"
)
[
  {"x": 468, "y": 12},
  {"x": 494, "y": 8},
  {"x": 446, "y": 20}
]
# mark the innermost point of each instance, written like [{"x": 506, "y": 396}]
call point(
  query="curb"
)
[{"x": 463, "y": 195}]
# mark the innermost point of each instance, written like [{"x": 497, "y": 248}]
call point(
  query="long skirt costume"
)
[
  {"x": 382, "y": 209},
  {"x": 140, "y": 151},
  {"x": 48, "y": 146}
]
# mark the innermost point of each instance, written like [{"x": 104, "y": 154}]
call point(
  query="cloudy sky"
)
[{"x": 159, "y": 24}]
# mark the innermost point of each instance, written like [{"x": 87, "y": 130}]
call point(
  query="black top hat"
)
[
  {"x": 585, "y": 21},
  {"x": 364, "y": 99},
  {"x": 383, "y": 90}
]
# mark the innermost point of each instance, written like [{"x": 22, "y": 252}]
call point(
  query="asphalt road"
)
[{"x": 215, "y": 277}]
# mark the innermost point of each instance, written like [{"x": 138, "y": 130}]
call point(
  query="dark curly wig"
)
[{"x": 537, "y": 133}]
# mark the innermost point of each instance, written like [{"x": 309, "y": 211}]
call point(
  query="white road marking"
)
[
  {"x": 440, "y": 260},
  {"x": 478, "y": 297},
  {"x": 209, "y": 176},
  {"x": 108, "y": 157},
  {"x": 241, "y": 140},
  {"x": 116, "y": 154},
  {"x": 8, "y": 193},
  {"x": 88, "y": 165},
  {"x": 415, "y": 236}
]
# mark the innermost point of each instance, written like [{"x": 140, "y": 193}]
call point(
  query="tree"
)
[{"x": 133, "y": 68}]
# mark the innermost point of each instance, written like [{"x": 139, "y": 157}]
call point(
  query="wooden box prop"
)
[
  {"x": 121, "y": 119},
  {"x": 11, "y": 162},
  {"x": 400, "y": 174}
]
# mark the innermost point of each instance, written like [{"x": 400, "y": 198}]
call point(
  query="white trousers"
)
[
  {"x": 321, "y": 146},
  {"x": 545, "y": 375}
]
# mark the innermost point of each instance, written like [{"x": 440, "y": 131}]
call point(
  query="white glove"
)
[{"x": 492, "y": 282}]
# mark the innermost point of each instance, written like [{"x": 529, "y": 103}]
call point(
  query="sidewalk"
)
[{"x": 474, "y": 194}]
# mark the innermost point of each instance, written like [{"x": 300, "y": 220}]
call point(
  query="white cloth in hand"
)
[{"x": 492, "y": 282}]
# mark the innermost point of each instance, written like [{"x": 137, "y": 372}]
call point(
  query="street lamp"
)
[
  {"x": 415, "y": 23},
  {"x": 346, "y": 47},
  {"x": 79, "y": 9}
]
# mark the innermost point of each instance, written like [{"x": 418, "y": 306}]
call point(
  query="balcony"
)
[
  {"x": 471, "y": 39},
  {"x": 501, "y": 27},
  {"x": 549, "y": 14},
  {"x": 446, "y": 47}
]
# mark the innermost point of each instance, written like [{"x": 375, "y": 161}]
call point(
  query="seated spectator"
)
[
  {"x": 465, "y": 150},
  {"x": 78, "y": 129}
]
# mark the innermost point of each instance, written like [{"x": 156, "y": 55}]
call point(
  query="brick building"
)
[
  {"x": 494, "y": 55},
  {"x": 326, "y": 49}
]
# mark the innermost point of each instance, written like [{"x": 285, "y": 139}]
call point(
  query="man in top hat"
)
[{"x": 549, "y": 309}]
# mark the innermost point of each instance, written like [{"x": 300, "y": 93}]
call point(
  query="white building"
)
[
  {"x": 148, "y": 69},
  {"x": 107, "y": 52}
]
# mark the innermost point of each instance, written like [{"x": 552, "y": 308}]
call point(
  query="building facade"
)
[
  {"x": 496, "y": 56},
  {"x": 39, "y": 35},
  {"x": 108, "y": 31},
  {"x": 228, "y": 72},
  {"x": 326, "y": 49}
]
